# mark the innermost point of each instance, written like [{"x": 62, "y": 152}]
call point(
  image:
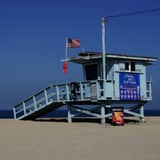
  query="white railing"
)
[
  {"x": 53, "y": 93},
  {"x": 63, "y": 93}
]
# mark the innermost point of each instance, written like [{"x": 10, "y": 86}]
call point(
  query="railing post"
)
[
  {"x": 24, "y": 108},
  {"x": 14, "y": 113},
  {"x": 150, "y": 89},
  {"x": 98, "y": 89},
  {"x": 34, "y": 101},
  {"x": 81, "y": 91},
  {"x": 67, "y": 92},
  {"x": 57, "y": 92},
  {"x": 46, "y": 97}
]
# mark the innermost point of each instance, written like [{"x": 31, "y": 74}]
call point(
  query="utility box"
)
[{"x": 117, "y": 116}]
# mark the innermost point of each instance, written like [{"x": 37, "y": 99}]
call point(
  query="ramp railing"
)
[
  {"x": 53, "y": 93},
  {"x": 60, "y": 93}
]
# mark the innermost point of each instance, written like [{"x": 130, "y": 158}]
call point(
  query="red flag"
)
[
  {"x": 73, "y": 43},
  {"x": 65, "y": 67}
]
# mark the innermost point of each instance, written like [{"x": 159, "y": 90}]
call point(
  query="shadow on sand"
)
[{"x": 87, "y": 120}]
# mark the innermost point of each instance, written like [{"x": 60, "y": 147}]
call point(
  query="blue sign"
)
[{"x": 129, "y": 86}]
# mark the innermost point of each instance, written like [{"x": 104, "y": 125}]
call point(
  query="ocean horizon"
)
[{"x": 8, "y": 114}]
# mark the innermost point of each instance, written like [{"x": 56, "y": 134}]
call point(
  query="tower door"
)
[{"x": 91, "y": 71}]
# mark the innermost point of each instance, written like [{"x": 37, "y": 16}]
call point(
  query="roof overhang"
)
[{"x": 91, "y": 57}]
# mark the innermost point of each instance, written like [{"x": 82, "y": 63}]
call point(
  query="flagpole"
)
[
  {"x": 65, "y": 65},
  {"x": 66, "y": 50},
  {"x": 103, "y": 49}
]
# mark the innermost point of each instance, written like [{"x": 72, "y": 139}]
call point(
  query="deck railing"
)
[
  {"x": 62, "y": 93},
  {"x": 54, "y": 93}
]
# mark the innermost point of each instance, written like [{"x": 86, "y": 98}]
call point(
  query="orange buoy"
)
[{"x": 65, "y": 67}]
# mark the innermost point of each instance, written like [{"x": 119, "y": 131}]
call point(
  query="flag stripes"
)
[{"x": 73, "y": 43}]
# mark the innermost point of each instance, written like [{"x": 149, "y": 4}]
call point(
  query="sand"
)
[{"x": 48, "y": 140}]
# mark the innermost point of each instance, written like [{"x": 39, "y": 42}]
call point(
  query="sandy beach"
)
[{"x": 50, "y": 140}]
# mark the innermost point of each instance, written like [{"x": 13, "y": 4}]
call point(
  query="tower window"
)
[
  {"x": 127, "y": 66},
  {"x": 133, "y": 66},
  {"x": 130, "y": 66}
]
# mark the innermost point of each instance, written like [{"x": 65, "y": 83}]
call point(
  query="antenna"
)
[{"x": 134, "y": 13}]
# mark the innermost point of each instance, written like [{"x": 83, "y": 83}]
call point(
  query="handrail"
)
[{"x": 52, "y": 93}]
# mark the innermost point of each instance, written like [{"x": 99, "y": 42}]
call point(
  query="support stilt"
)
[
  {"x": 69, "y": 115},
  {"x": 103, "y": 120},
  {"x": 142, "y": 113}
]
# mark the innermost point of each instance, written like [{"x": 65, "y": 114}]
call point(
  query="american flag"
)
[{"x": 73, "y": 43}]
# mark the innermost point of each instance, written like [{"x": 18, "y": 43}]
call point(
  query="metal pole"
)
[
  {"x": 103, "y": 49},
  {"x": 103, "y": 56}
]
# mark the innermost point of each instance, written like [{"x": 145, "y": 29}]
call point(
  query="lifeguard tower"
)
[
  {"x": 125, "y": 85},
  {"x": 109, "y": 80}
]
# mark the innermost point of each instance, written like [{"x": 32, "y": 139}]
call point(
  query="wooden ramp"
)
[
  {"x": 41, "y": 103},
  {"x": 49, "y": 99},
  {"x": 42, "y": 111}
]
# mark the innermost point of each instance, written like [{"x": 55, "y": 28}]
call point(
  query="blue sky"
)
[{"x": 33, "y": 33}]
